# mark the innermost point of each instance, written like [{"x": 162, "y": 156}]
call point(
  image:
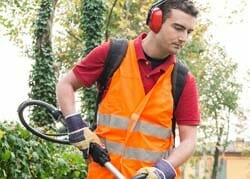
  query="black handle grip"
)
[{"x": 99, "y": 153}]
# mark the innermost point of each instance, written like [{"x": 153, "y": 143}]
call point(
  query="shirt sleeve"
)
[
  {"x": 187, "y": 111},
  {"x": 88, "y": 70}
]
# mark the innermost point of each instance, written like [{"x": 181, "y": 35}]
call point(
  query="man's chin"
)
[{"x": 174, "y": 51}]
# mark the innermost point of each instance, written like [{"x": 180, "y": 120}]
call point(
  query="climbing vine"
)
[
  {"x": 92, "y": 22},
  {"x": 42, "y": 78}
]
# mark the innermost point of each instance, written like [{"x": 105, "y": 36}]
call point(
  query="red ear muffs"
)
[{"x": 155, "y": 19}]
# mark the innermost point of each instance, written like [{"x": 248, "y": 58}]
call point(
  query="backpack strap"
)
[
  {"x": 178, "y": 82},
  {"x": 116, "y": 53}
]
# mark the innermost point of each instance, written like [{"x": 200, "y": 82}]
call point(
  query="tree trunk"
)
[
  {"x": 216, "y": 155},
  {"x": 92, "y": 23},
  {"x": 42, "y": 78}
]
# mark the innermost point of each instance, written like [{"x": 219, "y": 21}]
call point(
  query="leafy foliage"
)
[
  {"x": 23, "y": 155},
  {"x": 67, "y": 41},
  {"x": 16, "y": 18},
  {"x": 219, "y": 92},
  {"x": 92, "y": 19},
  {"x": 42, "y": 78},
  {"x": 128, "y": 18}
]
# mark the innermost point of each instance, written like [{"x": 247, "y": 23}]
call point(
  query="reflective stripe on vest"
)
[
  {"x": 141, "y": 126},
  {"x": 134, "y": 153}
]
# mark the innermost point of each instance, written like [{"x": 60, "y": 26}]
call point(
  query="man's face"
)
[{"x": 175, "y": 31}]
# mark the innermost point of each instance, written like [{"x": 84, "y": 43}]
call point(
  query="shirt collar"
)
[{"x": 140, "y": 54}]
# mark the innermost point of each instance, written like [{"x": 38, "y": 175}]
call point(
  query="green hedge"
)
[{"x": 23, "y": 155}]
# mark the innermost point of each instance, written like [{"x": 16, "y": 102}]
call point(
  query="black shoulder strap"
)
[
  {"x": 117, "y": 51},
  {"x": 178, "y": 82}
]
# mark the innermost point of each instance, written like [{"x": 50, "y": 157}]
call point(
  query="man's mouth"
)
[{"x": 178, "y": 46}]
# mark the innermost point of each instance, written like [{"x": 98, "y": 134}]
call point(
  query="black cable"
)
[{"x": 52, "y": 110}]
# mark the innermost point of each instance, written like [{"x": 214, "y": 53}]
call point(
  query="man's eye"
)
[{"x": 179, "y": 28}]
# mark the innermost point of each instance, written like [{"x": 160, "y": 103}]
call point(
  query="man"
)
[{"x": 134, "y": 117}]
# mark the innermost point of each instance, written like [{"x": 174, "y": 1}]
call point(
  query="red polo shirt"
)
[{"x": 88, "y": 70}]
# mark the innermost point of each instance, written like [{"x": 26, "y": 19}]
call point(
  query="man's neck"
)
[{"x": 151, "y": 48}]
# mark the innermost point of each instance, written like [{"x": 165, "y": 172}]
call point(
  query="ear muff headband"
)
[{"x": 155, "y": 16}]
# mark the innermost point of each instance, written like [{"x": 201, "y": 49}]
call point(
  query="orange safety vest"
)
[{"x": 134, "y": 127}]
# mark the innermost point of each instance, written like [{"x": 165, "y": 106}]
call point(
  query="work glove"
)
[
  {"x": 79, "y": 134},
  {"x": 161, "y": 170}
]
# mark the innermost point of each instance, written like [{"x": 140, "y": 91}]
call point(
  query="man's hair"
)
[{"x": 186, "y": 6}]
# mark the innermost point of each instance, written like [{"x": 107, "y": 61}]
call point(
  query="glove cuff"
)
[
  {"x": 160, "y": 174},
  {"x": 74, "y": 122},
  {"x": 167, "y": 168}
]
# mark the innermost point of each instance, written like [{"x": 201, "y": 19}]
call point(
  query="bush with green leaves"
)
[{"x": 23, "y": 156}]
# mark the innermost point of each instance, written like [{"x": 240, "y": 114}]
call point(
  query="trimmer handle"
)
[{"x": 100, "y": 155}]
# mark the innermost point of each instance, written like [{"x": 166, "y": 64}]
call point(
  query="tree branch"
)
[{"x": 109, "y": 19}]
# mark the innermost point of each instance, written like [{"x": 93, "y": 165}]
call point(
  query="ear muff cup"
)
[{"x": 155, "y": 19}]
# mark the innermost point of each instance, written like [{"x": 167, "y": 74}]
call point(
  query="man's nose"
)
[{"x": 183, "y": 36}]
